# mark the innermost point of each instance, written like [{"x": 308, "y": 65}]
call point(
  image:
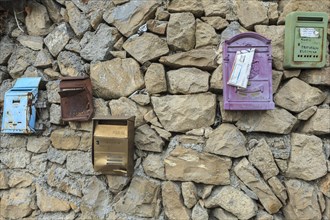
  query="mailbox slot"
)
[
  {"x": 76, "y": 99},
  {"x": 19, "y": 112},
  {"x": 258, "y": 94},
  {"x": 113, "y": 145},
  {"x": 305, "y": 40}
]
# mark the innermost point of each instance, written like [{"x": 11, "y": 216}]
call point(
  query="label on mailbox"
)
[
  {"x": 258, "y": 93},
  {"x": 305, "y": 40}
]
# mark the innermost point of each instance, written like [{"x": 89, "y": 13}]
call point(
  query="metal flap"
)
[
  {"x": 28, "y": 82},
  {"x": 114, "y": 131}
]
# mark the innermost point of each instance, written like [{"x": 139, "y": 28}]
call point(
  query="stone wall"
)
[{"x": 193, "y": 160}]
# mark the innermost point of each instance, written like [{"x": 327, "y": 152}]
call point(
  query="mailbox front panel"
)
[
  {"x": 258, "y": 94},
  {"x": 305, "y": 40}
]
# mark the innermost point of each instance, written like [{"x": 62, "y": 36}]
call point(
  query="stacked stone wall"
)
[{"x": 161, "y": 61}]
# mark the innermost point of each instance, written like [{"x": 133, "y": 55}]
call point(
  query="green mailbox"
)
[{"x": 305, "y": 40}]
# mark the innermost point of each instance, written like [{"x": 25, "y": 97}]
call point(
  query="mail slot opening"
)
[
  {"x": 16, "y": 101},
  {"x": 113, "y": 145},
  {"x": 311, "y": 19},
  {"x": 76, "y": 99}
]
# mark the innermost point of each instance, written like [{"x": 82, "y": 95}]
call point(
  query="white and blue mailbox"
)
[{"x": 19, "y": 112}]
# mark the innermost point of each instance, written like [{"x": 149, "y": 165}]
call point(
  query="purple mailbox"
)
[{"x": 258, "y": 93}]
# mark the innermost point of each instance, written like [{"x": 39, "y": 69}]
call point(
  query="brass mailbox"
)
[
  {"x": 113, "y": 145},
  {"x": 76, "y": 98}
]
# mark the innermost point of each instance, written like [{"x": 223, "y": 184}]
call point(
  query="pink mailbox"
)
[{"x": 258, "y": 93}]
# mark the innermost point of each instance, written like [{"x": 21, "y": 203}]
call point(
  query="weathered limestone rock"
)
[
  {"x": 77, "y": 20},
  {"x": 53, "y": 10},
  {"x": 303, "y": 5},
  {"x": 146, "y": 47},
  {"x": 206, "y": 191},
  {"x": 55, "y": 114},
  {"x": 162, "y": 14},
  {"x": 193, "y": 6},
  {"x": 306, "y": 114},
  {"x": 220, "y": 214},
  {"x": 178, "y": 112},
  {"x": 157, "y": 27},
  {"x": 141, "y": 199},
  {"x": 278, "y": 189},
  {"x": 187, "y": 81},
  {"x": 172, "y": 203},
  {"x": 249, "y": 16},
  {"x": 216, "y": 8},
  {"x": 74, "y": 44},
  {"x": 326, "y": 214},
  {"x": 16, "y": 203},
  {"x": 218, "y": 23},
  {"x": 13, "y": 141},
  {"x": 154, "y": 78},
  {"x": 153, "y": 165},
  {"x": 20, "y": 179},
  {"x": 37, "y": 21},
  {"x": 117, "y": 183},
  {"x": 307, "y": 160},
  {"x": 202, "y": 58},
  {"x": 262, "y": 158},
  {"x": 288, "y": 74},
  {"x": 297, "y": 96},
  {"x": 52, "y": 91},
  {"x": 38, "y": 164},
  {"x": 15, "y": 158},
  {"x": 124, "y": 74},
  {"x": 50, "y": 73},
  {"x": 181, "y": 31},
  {"x": 275, "y": 34},
  {"x": 100, "y": 44},
  {"x": 80, "y": 162},
  {"x": 232, "y": 200},
  {"x": 60, "y": 178},
  {"x": 141, "y": 99},
  {"x": 189, "y": 194},
  {"x": 70, "y": 64},
  {"x": 58, "y": 38},
  {"x": 199, "y": 213},
  {"x": 7, "y": 47},
  {"x": 21, "y": 58},
  {"x": 65, "y": 139},
  {"x": 47, "y": 201},
  {"x": 278, "y": 121},
  {"x": 324, "y": 185},
  {"x": 249, "y": 175},
  {"x": 128, "y": 17},
  {"x": 188, "y": 165},
  {"x": 233, "y": 29},
  {"x": 3, "y": 179},
  {"x": 96, "y": 201},
  {"x": 316, "y": 76},
  {"x": 32, "y": 42},
  {"x": 147, "y": 139},
  {"x": 162, "y": 132},
  {"x": 38, "y": 144},
  {"x": 127, "y": 107},
  {"x": 302, "y": 203},
  {"x": 216, "y": 82},
  {"x": 205, "y": 35},
  {"x": 44, "y": 59},
  {"x": 276, "y": 80},
  {"x": 318, "y": 124},
  {"x": 151, "y": 118},
  {"x": 226, "y": 140}
]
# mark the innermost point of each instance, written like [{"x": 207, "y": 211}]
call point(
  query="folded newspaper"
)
[{"x": 241, "y": 68}]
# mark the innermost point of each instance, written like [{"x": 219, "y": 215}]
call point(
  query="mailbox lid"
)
[
  {"x": 258, "y": 94},
  {"x": 27, "y": 82}
]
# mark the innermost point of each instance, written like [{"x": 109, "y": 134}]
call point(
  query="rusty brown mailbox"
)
[
  {"x": 113, "y": 145},
  {"x": 76, "y": 98}
]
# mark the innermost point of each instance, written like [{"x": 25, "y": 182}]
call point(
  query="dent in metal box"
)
[
  {"x": 113, "y": 145},
  {"x": 19, "y": 113}
]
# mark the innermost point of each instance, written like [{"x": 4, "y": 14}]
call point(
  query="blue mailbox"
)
[{"x": 19, "y": 112}]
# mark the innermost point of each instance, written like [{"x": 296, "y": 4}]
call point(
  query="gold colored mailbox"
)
[
  {"x": 305, "y": 40},
  {"x": 113, "y": 145}
]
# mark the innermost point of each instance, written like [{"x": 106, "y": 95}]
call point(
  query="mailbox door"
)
[{"x": 258, "y": 94}]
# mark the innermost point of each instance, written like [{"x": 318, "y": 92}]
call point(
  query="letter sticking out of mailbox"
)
[
  {"x": 76, "y": 99},
  {"x": 305, "y": 40},
  {"x": 19, "y": 113},
  {"x": 258, "y": 93},
  {"x": 113, "y": 145}
]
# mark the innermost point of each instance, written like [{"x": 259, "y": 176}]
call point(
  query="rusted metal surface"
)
[
  {"x": 76, "y": 99},
  {"x": 19, "y": 113},
  {"x": 113, "y": 145}
]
